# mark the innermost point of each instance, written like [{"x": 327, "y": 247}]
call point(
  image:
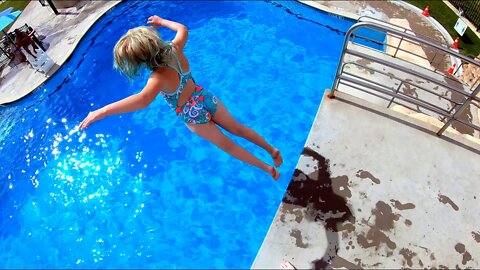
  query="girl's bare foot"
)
[
  {"x": 287, "y": 265},
  {"x": 274, "y": 173},
  {"x": 277, "y": 157}
]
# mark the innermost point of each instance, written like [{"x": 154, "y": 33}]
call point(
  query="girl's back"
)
[{"x": 171, "y": 75}]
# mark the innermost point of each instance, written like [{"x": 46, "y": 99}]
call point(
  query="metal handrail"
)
[
  {"x": 402, "y": 81},
  {"x": 406, "y": 70},
  {"x": 441, "y": 42},
  {"x": 449, "y": 115},
  {"x": 406, "y": 30}
]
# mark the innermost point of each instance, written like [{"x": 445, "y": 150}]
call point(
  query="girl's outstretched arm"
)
[
  {"x": 182, "y": 31},
  {"x": 129, "y": 104}
]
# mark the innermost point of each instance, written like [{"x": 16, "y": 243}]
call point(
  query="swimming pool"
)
[{"x": 139, "y": 190}]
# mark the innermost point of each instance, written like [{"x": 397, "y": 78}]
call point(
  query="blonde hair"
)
[{"x": 141, "y": 46}]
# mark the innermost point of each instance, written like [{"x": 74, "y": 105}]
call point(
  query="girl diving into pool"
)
[{"x": 201, "y": 111}]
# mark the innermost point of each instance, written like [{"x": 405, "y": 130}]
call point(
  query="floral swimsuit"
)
[{"x": 200, "y": 107}]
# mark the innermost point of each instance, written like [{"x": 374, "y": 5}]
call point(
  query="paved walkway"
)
[{"x": 62, "y": 34}]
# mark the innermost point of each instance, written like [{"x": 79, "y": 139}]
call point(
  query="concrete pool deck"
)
[
  {"x": 376, "y": 189},
  {"x": 62, "y": 34}
]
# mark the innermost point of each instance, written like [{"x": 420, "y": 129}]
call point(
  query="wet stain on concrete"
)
[
  {"x": 297, "y": 234},
  {"x": 288, "y": 208},
  {"x": 407, "y": 256},
  {"x": 319, "y": 195},
  {"x": 366, "y": 70},
  {"x": 323, "y": 200},
  {"x": 340, "y": 186},
  {"x": 476, "y": 236},
  {"x": 384, "y": 222},
  {"x": 364, "y": 62},
  {"x": 409, "y": 90},
  {"x": 401, "y": 206},
  {"x": 460, "y": 248},
  {"x": 350, "y": 245},
  {"x": 339, "y": 262},
  {"x": 444, "y": 199},
  {"x": 364, "y": 175},
  {"x": 348, "y": 227},
  {"x": 375, "y": 238},
  {"x": 384, "y": 217}
]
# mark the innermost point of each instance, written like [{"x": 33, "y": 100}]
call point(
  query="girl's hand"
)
[
  {"x": 91, "y": 117},
  {"x": 155, "y": 20}
]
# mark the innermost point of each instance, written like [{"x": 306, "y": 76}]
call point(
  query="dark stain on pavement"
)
[
  {"x": 476, "y": 236},
  {"x": 384, "y": 217},
  {"x": 297, "y": 234},
  {"x": 460, "y": 248},
  {"x": 444, "y": 199},
  {"x": 340, "y": 186},
  {"x": 364, "y": 175},
  {"x": 407, "y": 256},
  {"x": 339, "y": 262},
  {"x": 401, "y": 206},
  {"x": 384, "y": 222},
  {"x": 325, "y": 201}
]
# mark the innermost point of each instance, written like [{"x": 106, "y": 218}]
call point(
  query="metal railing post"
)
[
  {"x": 473, "y": 84},
  {"x": 454, "y": 73},
  {"x": 460, "y": 110},
  {"x": 52, "y": 5},
  {"x": 399, "y": 43},
  {"x": 449, "y": 112},
  {"x": 396, "y": 91},
  {"x": 342, "y": 56}
]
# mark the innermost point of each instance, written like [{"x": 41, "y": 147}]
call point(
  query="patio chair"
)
[{"x": 43, "y": 62}]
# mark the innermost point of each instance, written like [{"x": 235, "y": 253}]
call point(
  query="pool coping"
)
[{"x": 69, "y": 51}]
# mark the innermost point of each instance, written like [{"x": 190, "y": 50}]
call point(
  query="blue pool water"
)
[{"x": 139, "y": 190}]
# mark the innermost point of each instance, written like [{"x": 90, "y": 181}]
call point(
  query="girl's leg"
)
[
  {"x": 212, "y": 133},
  {"x": 224, "y": 119}
]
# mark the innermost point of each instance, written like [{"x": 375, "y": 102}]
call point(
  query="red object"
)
[
  {"x": 450, "y": 70},
  {"x": 425, "y": 12},
  {"x": 455, "y": 43}
]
